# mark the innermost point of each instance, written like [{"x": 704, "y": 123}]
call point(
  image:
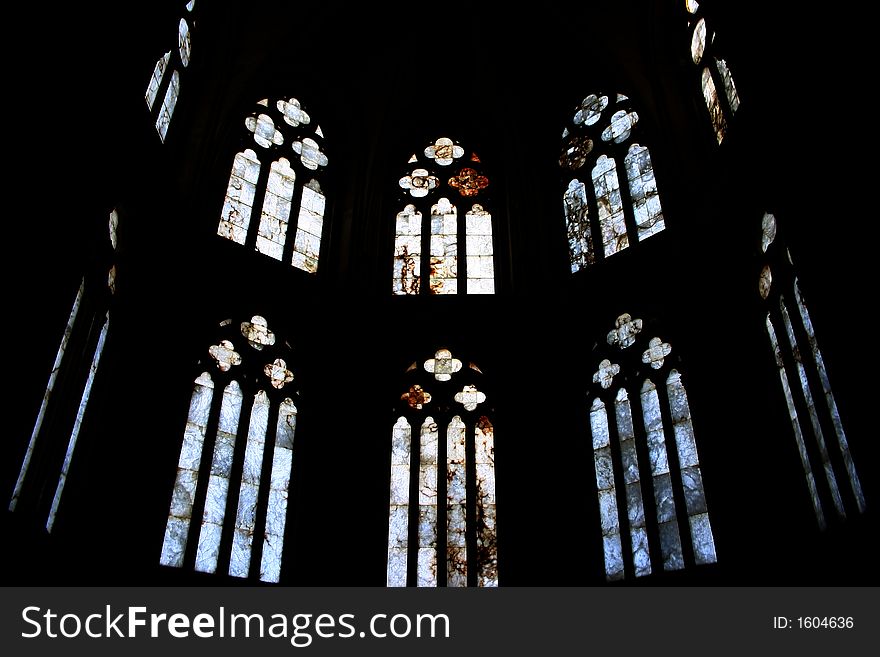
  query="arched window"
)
[
  {"x": 714, "y": 73},
  {"x": 442, "y": 426},
  {"x": 57, "y": 429},
  {"x": 443, "y": 231},
  {"x": 606, "y": 208},
  {"x": 224, "y": 497},
  {"x": 166, "y": 84},
  {"x": 281, "y": 178},
  {"x": 652, "y": 507},
  {"x": 831, "y": 478}
]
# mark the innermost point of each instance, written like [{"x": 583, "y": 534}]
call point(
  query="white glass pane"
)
[
  {"x": 238, "y": 206},
  {"x": 279, "y": 484},
  {"x": 156, "y": 79},
  {"x": 398, "y": 514},
  {"x": 276, "y": 209},
  {"x": 608, "y": 200},
  {"x": 480, "y": 262},
  {"x": 577, "y": 222},
  {"x": 484, "y": 462},
  {"x": 50, "y": 387},
  {"x": 186, "y": 482},
  {"x": 77, "y": 424},
  {"x": 643, "y": 192},
  {"x": 246, "y": 516},
  {"x": 631, "y": 477},
  {"x": 218, "y": 480},
  {"x": 444, "y": 248},
  {"x": 456, "y": 504},
  {"x": 168, "y": 105},
  {"x": 309, "y": 227},
  {"x": 608, "y": 515},
  {"x": 407, "y": 251}
]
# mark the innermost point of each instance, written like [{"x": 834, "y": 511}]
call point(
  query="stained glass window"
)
[
  {"x": 184, "y": 42},
  {"x": 439, "y": 460},
  {"x": 713, "y": 71},
  {"x": 832, "y": 481},
  {"x": 433, "y": 202},
  {"x": 168, "y": 105},
  {"x": 600, "y": 137},
  {"x": 226, "y": 484},
  {"x": 156, "y": 79},
  {"x": 655, "y": 540},
  {"x": 294, "y": 204}
]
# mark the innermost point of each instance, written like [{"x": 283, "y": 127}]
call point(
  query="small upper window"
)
[{"x": 601, "y": 135}]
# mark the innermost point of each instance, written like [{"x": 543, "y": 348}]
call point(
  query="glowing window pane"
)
[
  {"x": 796, "y": 425},
  {"x": 279, "y": 484},
  {"x": 692, "y": 6},
  {"x": 590, "y": 110},
  {"x": 419, "y": 183},
  {"x": 710, "y": 95},
  {"x": 276, "y": 209},
  {"x": 50, "y": 387},
  {"x": 484, "y": 464},
  {"x": 238, "y": 206},
  {"x": 444, "y": 152},
  {"x": 416, "y": 397},
  {"x": 265, "y": 133},
  {"x": 765, "y": 280},
  {"x": 577, "y": 223},
  {"x": 426, "y": 570},
  {"x": 156, "y": 79},
  {"x": 478, "y": 242},
  {"x": 622, "y": 124},
  {"x": 257, "y": 332},
  {"x": 468, "y": 182},
  {"x": 698, "y": 41},
  {"x": 218, "y": 481},
  {"x": 184, "y": 42},
  {"x": 667, "y": 522},
  {"x": 443, "y": 365},
  {"x": 186, "y": 482},
  {"x": 246, "y": 517},
  {"x": 407, "y": 251},
  {"x": 444, "y": 248},
  {"x": 456, "y": 504},
  {"x": 190, "y": 5},
  {"x": 643, "y": 191},
  {"x": 114, "y": 226},
  {"x": 310, "y": 153},
  {"x": 635, "y": 508},
  {"x": 77, "y": 423},
  {"x": 168, "y": 104},
  {"x": 729, "y": 87},
  {"x": 310, "y": 225},
  {"x": 768, "y": 231},
  {"x": 611, "y": 219},
  {"x": 624, "y": 333},
  {"x": 398, "y": 514},
  {"x": 702, "y": 539},
  {"x": 608, "y": 516},
  {"x": 575, "y": 151},
  {"x": 829, "y": 400},
  {"x": 470, "y": 398},
  {"x": 293, "y": 113},
  {"x": 811, "y": 408}
]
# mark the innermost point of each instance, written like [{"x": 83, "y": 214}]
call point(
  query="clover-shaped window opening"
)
[
  {"x": 257, "y": 333},
  {"x": 712, "y": 72},
  {"x": 434, "y": 202},
  {"x": 442, "y": 365},
  {"x": 168, "y": 73},
  {"x": 598, "y": 206},
  {"x": 280, "y": 175},
  {"x": 416, "y": 397}
]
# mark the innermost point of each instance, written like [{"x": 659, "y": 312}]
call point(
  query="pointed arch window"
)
[
  {"x": 442, "y": 448},
  {"x": 715, "y": 79},
  {"x": 829, "y": 469},
  {"x": 653, "y": 514},
  {"x": 279, "y": 171},
  {"x": 165, "y": 80},
  {"x": 609, "y": 193},
  {"x": 57, "y": 428},
  {"x": 223, "y": 497},
  {"x": 443, "y": 232}
]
